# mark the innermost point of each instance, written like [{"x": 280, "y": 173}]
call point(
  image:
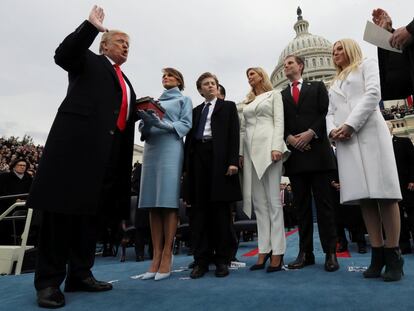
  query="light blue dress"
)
[{"x": 164, "y": 153}]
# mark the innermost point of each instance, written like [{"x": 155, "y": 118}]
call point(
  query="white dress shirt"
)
[{"x": 207, "y": 129}]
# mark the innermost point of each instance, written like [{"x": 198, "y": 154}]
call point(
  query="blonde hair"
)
[
  {"x": 107, "y": 37},
  {"x": 265, "y": 84},
  {"x": 353, "y": 53}
]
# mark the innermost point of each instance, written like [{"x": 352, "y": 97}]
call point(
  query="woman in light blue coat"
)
[{"x": 161, "y": 168}]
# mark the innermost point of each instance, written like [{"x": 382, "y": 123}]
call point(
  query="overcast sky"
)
[{"x": 221, "y": 36}]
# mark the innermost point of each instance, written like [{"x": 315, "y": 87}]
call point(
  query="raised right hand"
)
[
  {"x": 96, "y": 17},
  {"x": 381, "y": 18}
]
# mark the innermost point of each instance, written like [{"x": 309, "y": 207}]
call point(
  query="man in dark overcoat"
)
[
  {"x": 91, "y": 141},
  {"x": 404, "y": 157},
  {"x": 397, "y": 82},
  {"x": 211, "y": 173},
  {"x": 396, "y": 69},
  {"x": 17, "y": 181},
  {"x": 311, "y": 162}
]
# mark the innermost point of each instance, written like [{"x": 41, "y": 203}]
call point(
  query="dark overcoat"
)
[
  {"x": 77, "y": 151},
  {"x": 404, "y": 156},
  {"x": 308, "y": 113},
  {"x": 11, "y": 184},
  {"x": 226, "y": 140},
  {"x": 397, "y": 71}
]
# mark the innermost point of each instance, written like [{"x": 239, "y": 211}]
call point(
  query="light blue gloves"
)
[{"x": 151, "y": 118}]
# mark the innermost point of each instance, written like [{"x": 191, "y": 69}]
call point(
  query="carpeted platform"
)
[{"x": 310, "y": 288}]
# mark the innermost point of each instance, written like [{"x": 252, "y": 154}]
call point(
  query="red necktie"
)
[
  {"x": 121, "y": 123},
  {"x": 295, "y": 91}
]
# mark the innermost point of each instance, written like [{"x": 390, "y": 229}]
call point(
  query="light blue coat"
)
[{"x": 164, "y": 153}]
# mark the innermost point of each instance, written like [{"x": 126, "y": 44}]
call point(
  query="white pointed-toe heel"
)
[
  {"x": 161, "y": 276},
  {"x": 148, "y": 275}
]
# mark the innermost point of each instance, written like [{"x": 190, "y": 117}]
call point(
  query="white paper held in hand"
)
[{"x": 379, "y": 37}]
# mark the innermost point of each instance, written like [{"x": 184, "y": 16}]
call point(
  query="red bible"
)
[{"x": 149, "y": 103}]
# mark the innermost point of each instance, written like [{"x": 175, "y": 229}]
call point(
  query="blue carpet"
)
[{"x": 310, "y": 288}]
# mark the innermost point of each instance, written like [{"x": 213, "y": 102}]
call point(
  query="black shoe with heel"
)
[
  {"x": 261, "y": 266},
  {"x": 377, "y": 263},
  {"x": 394, "y": 263},
  {"x": 276, "y": 268}
]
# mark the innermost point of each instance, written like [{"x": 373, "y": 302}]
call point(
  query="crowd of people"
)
[
  {"x": 13, "y": 148},
  {"x": 396, "y": 112},
  {"x": 287, "y": 131}
]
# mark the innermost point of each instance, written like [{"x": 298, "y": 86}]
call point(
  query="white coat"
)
[
  {"x": 261, "y": 132},
  {"x": 366, "y": 162}
]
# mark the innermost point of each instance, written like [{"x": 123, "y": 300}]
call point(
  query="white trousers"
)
[{"x": 269, "y": 210}]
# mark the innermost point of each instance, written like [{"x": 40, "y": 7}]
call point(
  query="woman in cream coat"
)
[
  {"x": 262, "y": 151},
  {"x": 366, "y": 162}
]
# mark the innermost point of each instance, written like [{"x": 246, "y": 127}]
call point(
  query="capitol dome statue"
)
[{"x": 315, "y": 50}]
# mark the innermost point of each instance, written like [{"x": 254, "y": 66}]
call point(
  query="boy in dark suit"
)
[{"x": 211, "y": 168}]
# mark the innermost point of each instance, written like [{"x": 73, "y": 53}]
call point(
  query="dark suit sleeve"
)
[
  {"x": 71, "y": 52},
  {"x": 319, "y": 125},
  {"x": 286, "y": 131},
  {"x": 234, "y": 135},
  {"x": 395, "y": 76},
  {"x": 187, "y": 144},
  {"x": 410, "y": 28},
  {"x": 3, "y": 182},
  {"x": 409, "y": 149}
]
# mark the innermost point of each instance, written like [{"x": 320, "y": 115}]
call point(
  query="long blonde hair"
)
[
  {"x": 265, "y": 84},
  {"x": 353, "y": 53}
]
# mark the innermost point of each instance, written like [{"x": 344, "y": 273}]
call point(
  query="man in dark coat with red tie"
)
[
  {"x": 91, "y": 140},
  {"x": 311, "y": 162}
]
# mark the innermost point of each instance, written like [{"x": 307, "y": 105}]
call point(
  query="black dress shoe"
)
[
  {"x": 260, "y": 266},
  {"x": 331, "y": 263},
  {"x": 342, "y": 247},
  {"x": 191, "y": 265},
  {"x": 362, "y": 247},
  {"x": 90, "y": 284},
  {"x": 50, "y": 297},
  {"x": 303, "y": 259},
  {"x": 222, "y": 270},
  {"x": 198, "y": 272},
  {"x": 139, "y": 258}
]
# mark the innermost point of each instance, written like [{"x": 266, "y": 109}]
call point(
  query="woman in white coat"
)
[
  {"x": 262, "y": 151},
  {"x": 366, "y": 162}
]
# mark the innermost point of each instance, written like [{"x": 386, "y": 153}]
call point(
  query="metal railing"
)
[{"x": 22, "y": 247}]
